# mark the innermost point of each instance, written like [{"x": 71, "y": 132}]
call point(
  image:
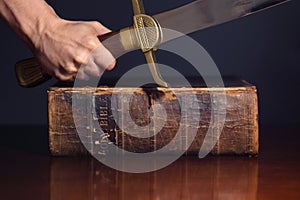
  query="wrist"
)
[
  {"x": 35, "y": 29},
  {"x": 28, "y": 19}
]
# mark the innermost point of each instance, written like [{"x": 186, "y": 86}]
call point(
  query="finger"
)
[
  {"x": 103, "y": 58},
  {"x": 92, "y": 69},
  {"x": 91, "y": 43},
  {"x": 111, "y": 66},
  {"x": 81, "y": 58},
  {"x": 70, "y": 68},
  {"x": 62, "y": 75},
  {"x": 81, "y": 75}
]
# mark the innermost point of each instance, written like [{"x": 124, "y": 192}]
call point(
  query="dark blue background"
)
[{"x": 264, "y": 49}]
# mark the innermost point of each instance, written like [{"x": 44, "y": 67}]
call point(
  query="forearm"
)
[{"x": 28, "y": 18}]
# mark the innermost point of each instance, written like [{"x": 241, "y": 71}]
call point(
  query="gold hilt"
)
[
  {"x": 149, "y": 35},
  {"x": 29, "y": 73}
]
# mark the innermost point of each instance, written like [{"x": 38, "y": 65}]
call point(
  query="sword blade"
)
[{"x": 202, "y": 14}]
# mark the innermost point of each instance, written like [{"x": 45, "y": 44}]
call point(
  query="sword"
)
[{"x": 195, "y": 16}]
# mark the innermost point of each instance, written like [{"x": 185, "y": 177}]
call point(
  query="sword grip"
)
[
  {"x": 30, "y": 74},
  {"x": 112, "y": 41}
]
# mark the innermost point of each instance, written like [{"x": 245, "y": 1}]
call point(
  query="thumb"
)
[{"x": 100, "y": 29}]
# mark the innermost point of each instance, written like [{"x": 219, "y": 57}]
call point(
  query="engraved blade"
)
[{"x": 201, "y": 14}]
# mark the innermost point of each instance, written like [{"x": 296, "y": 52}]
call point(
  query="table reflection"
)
[{"x": 187, "y": 178}]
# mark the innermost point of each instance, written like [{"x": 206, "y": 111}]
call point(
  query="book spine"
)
[{"x": 119, "y": 117}]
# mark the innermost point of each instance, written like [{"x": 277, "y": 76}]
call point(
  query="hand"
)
[
  {"x": 61, "y": 46},
  {"x": 65, "y": 46}
]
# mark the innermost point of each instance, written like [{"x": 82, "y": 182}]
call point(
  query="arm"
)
[{"x": 61, "y": 46}]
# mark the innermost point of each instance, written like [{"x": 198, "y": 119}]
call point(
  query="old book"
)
[
  {"x": 106, "y": 118},
  {"x": 188, "y": 178}
]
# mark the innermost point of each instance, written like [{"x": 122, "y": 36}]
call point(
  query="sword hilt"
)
[
  {"x": 30, "y": 73},
  {"x": 145, "y": 34},
  {"x": 149, "y": 35}
]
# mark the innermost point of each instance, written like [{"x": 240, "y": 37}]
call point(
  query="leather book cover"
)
[{"x": 114, "y": 114}]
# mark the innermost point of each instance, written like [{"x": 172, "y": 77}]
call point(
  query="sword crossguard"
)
[
  {"x": 148, "y": 35},
  {"x": 148, "y": 32}
]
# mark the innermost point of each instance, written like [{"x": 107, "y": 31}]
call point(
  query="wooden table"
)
[{"x": 28, "y": 172}]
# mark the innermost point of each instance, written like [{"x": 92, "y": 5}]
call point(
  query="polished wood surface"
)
[{"x": 28, "y": 172}]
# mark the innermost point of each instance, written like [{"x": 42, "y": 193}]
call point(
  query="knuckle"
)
[
  {"x": 81, "y": 58},
  {"x": 70, "y": 69},
  {"x": 90, "y": 42}
]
